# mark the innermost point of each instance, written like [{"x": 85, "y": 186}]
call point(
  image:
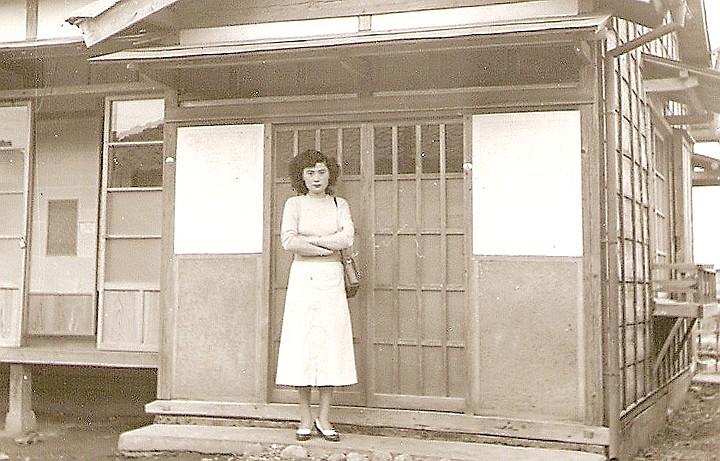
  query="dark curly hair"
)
[{"x": 308, "y": 159}]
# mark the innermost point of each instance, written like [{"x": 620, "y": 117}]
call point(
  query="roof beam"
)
[
  {"x": 689, "y": 120},
  {"x": 117, "y": 18}
]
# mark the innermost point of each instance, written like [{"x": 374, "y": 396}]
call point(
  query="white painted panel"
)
[
  {"x": 219, "y": 189},
  {"x": 52, "y": 15},
  {"x": 275, "y": 30},
  {"x": 486, "y": 14},
  {"x": 12, "y": 20},
  {"x": 527, "y": 196}
]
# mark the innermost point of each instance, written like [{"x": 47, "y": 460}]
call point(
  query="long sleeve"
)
[
  {"x": 309, "y": 224},
  {"x": 345, "y": 234},
  {"x": 289, "y": 227}
]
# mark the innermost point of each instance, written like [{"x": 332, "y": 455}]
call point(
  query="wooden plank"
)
[
  {"x": 407, "y": 419},
  {"x": 435, "y": 102},
  {"x": 591, "y": 344},
  {"x": 670, "y": 308},
  {"x": 118, "y": 18},
  {"x": 81, "y": 90},
  {"x": 90, "y": 357},
  {"x": 675, "y": 286},
  {"x": 61, "y": 314},
  {"x": 168, "y": 266},
  {"x": 20, "y": 417},
  {"x": 669, "y": 85},
  {"x": 206, "y": 15}
]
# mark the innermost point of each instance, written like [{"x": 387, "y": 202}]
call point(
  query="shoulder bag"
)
[{"x": 352, "y": 276}]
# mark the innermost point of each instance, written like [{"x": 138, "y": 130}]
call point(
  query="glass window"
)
[
  {"x": 137, "y": 120},
  {"x": 135, "y": 166},
  {"x": 62, "y": 228}
]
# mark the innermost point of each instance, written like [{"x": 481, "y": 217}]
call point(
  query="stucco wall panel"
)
[
  {"x": 215, "y": 348},
  {"x": 529, "y": 312}
]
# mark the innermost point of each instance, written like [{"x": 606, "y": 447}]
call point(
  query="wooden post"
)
[{"x": 20, "y": 418}]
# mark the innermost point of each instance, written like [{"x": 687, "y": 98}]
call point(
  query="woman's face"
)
[{"x": 316, "y": 178}]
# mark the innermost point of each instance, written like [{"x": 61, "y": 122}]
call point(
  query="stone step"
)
[{"x": 249, "y": 440}]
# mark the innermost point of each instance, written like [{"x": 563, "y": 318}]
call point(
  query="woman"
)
[{"x": 316, "y": 348}]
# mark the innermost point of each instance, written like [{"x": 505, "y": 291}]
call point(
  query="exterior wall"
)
[
  {"x": 51, "y": 17},
  {"x": 14, "y": 15},
  {"x": 20, "y": 23},
  {"x": 62, "y": 288},
  {"x": 530, "y": 332},
  {"x": 639, "y": 432},
  {"x": 216, "y": 329}
]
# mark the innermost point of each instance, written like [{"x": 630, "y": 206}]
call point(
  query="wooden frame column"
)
[{"x": 20, "y": 418}]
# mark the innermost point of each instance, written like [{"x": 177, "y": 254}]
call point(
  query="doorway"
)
[{"x": 405, "y": 185}]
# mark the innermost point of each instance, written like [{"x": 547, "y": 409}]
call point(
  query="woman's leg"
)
[
  {"x": 306, "y": 419},
  {"x": 326, "y": 393}
]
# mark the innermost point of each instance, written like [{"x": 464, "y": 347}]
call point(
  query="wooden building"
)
[{"x": 519, "y": 174}]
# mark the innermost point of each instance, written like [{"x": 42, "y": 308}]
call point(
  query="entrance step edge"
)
[{"x": 236, "y": 440}]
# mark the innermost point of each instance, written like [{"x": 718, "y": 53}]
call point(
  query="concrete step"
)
[{"x": 243, "y": 440}]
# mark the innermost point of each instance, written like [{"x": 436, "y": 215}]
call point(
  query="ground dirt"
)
[
  {"x": 692, "y": 434},
  {"x": 693, "y": 431}
]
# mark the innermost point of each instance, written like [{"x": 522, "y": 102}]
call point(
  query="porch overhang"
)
[
  {"x": 182, "y": 54},
  {"x": 365, "y": 62},
  {"x": 696, "y": 87}
]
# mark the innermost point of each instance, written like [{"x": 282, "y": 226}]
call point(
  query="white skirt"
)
[{"x": 316, "y": 343}]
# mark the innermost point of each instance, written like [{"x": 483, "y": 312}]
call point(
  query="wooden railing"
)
[
  {"x": 687, "y": 293},
  {"x": 684, "y": 290}
]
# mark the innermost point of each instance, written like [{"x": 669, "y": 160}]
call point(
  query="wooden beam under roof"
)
[
  {"x": 670, "y": 85},
  {"x": 100, "y": 24}
]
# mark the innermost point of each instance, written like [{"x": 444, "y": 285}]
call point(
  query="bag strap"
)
[{"x": 343, "y": 252}]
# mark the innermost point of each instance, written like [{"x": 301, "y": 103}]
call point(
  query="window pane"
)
[
  {"x": 13, "y": 142},
  {"x": 283, "y": 153},
  {"x": 430, "y": 149},
  {"x": 134, "y": 213},
  {"x": 351, "y": 151},
  {"x": 135, "y": 166},
  {"x": 406, "y": 149},
  {"x": 306, "y": 140},
  {"x": 11, "y": 170},
  {"x": 138, "y": 120},
  {"x": 62, "y": 228},
  {"x": 133, "y": 261},
  {"x": 11, "y": 208},
  {"x": 383, "y": 150},
  {"x": 328, "y": 142},
  {"x": 454, "y": 148}
]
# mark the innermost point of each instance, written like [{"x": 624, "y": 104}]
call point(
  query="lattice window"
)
[{"x": 645, "y": 215}]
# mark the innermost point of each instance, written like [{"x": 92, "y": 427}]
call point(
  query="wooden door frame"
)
[
  {"x": 364, "y": 220},
  {"x": 18, "y": 335}
]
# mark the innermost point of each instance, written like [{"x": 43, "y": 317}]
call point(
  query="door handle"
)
[{"x": 22, "y": 243}]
